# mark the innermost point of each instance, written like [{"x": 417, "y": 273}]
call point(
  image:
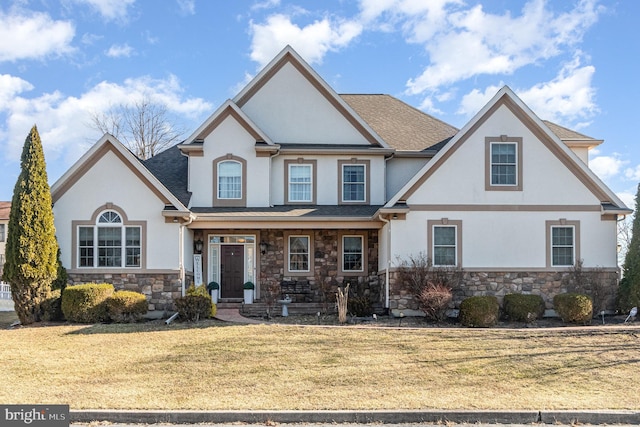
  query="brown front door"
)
[{"x": 231, "y": 271}]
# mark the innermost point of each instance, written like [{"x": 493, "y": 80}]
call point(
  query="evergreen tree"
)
[
  {"x": 31, "y": 248},
  {"x": 629, "y": 292}
]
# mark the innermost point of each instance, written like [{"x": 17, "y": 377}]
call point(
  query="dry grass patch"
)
[{"x": 211, "y": 366}]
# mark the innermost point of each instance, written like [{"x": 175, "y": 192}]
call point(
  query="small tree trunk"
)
[{"x": 342, "y": 298}]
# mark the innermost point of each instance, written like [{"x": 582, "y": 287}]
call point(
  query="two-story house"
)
[{"x": 292, "y": 184}]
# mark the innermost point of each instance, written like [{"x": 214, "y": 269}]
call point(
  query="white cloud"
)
[
  {"x": 633, "y": 174},
  {"x": 10, "y": 86},
  {"x": 266, "y": 4},
  {"x": 607, "y": 166},
  {"x": 33, "y": 35},
  {"x": 110, "y": 10},
  {"x": 187, "y": 7},
  {"x": 471, "y": 42},
  {"x": 312, "y": 41},
  {"x": 118, "y": 51},
  {"x": 566, "y": 100},
  {"x": 63, "y": 121}
]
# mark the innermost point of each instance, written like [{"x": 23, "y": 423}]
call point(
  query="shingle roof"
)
[
  {"x": 567, "y": 134},
  {"x": 292, "y": 211},
  {"x": 171, "y": 169},
  {"x": 400, "y": 125},
  {"x": 5, "y": 209}
]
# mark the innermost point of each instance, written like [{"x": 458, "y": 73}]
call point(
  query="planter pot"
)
[
  {"x": 248, "y": 296},
  {"x": 214, "y": 296}
]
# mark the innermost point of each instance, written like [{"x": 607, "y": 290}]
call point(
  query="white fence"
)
[{"x": 5, "y": 291}]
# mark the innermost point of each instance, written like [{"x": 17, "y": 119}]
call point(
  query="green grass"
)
[{"x": 213, "y": 366}]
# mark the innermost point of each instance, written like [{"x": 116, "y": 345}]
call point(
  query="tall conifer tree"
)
[
  {"x": 629, "y": 293},
  {"x": 31, "y": 248}
]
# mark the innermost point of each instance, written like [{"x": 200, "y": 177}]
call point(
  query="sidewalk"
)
[{"x": 233, "y": 315}]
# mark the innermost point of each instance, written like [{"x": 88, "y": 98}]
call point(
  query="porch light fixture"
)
[
  {"x": 198, "y": 246},
  {"x": 263, "y": 247}
]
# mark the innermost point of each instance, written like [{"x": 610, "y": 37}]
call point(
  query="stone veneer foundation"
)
[
  {"x": 160, "y": 289},
  {"x": 546, "y": 284}
]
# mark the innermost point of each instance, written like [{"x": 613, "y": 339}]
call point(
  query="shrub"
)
[
  {"x": 196, "y": 304},
  {"x": 52, "y": 307},
  {"x": 434, "y": 301},
  {"x": 359, "y": 303},
  {"x": 127, "y": 306},
  {"x": 523, "y": 308},
  {"x": 573, "y": 308},
  {"x": 86, "y": 303},
  {"x": 479, "y": 311}
]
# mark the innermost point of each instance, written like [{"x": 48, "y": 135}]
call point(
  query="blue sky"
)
[{"x": 573, "y": 62}]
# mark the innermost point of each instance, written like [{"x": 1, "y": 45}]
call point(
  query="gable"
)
[
  {"x": 122, "y": 160},
  {"x": 552, "y": 173},
  {"x": 293, "y": 105}
]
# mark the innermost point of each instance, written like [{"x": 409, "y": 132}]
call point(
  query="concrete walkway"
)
[{"x": 233, "y": 315}]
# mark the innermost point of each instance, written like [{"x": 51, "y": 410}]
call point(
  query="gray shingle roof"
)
[
  {"x": 400, "y": 125},
  {"x": 292, "y": 211},
  {"x": 171, "y": 169}
]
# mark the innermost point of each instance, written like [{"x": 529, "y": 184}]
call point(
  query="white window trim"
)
[
  {"x": 454, "y": 246},
  {"x": 364, "y": 183},
  {"x": 503, "y": 139},
  {"x": 310, "y": 183},
  {"x": 573, "y": 246},
  {"x": 123, "y": 242},
  {"x": 515, "y": 164},
  {"x": 219, "y": 197},
  {"x": 445, "y": 222},
  {"x": 562, "y": 223}
]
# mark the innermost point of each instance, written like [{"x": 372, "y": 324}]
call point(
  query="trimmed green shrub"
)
[
  {"x": 523, "y": 308},
  {"x": 194, "y": 307},
  {"x": 86, "y": 303},
  {"x": 127, "y": 306},
  {"x": 479, "y": 311},
  {"x": 573, "y": 308},
  {"x": 196, "y": 304},
  {"x": 52, "y": 307}
]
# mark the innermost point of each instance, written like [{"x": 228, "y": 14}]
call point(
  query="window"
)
[
  {"x": 563, "y": 243},
  {"x": 299, "y": 253},
  {"x": 444, "y": 245},
  {"x": 445, "y": 242},
  {"x": 353, "y": 181},
  {"x": 503, "y": 163},
  {"x": 2, "y": 233},
  {"x": 108, "y": 242},
  {"x": 229, "y": 180},
  {"x": 300, "y": 183},
  {"x": 352, "y": 259}
]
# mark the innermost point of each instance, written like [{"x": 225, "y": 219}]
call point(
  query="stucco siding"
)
[
  {"x": 110, "y": 181},
  {"x": 507, "y": 240},
  {"x": 229, "y": 138},
  {"x": 290, "y": 110},
  {"x": 545, "y": 178}
]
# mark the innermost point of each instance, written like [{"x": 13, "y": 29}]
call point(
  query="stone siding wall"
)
[
  {"x": 498, "y": 284},
  {"x": 160, "y": 289},
  {"x": 322, "y": 283}
]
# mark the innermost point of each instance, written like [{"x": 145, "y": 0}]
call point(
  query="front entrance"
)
[
  {"x": 232, "y": 270},
  {"x": 232, "y": 260}
]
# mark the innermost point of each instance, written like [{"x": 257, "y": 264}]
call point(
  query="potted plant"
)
[
  {"x": 248, "y": 292},
  {"x": 213, "y": 288}
]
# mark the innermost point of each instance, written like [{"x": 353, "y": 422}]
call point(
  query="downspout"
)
[
  {"x": 386, "y": 270},
  {"x": 277, "y": 153},
  {"x": 181, "y": 254}
]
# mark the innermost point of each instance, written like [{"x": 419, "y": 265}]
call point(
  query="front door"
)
[{"x": 231, "y": 271}]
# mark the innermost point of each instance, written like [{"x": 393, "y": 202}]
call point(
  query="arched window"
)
[
  {"x": 109, "y": 243},
  {"x": 230, "y": 180}
]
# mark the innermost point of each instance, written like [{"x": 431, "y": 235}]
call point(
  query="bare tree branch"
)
[{"x": 144, "y": 126}]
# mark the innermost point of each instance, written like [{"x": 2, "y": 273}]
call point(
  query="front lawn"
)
[{"x": 212, "y": 365}]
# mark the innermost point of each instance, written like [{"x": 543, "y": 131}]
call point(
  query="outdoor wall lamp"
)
[
  {"x": 263, "y": 247},
  {"x": 198, "y": 246}
]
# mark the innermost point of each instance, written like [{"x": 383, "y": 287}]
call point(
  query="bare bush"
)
[{"x": 434, "y": 300}]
